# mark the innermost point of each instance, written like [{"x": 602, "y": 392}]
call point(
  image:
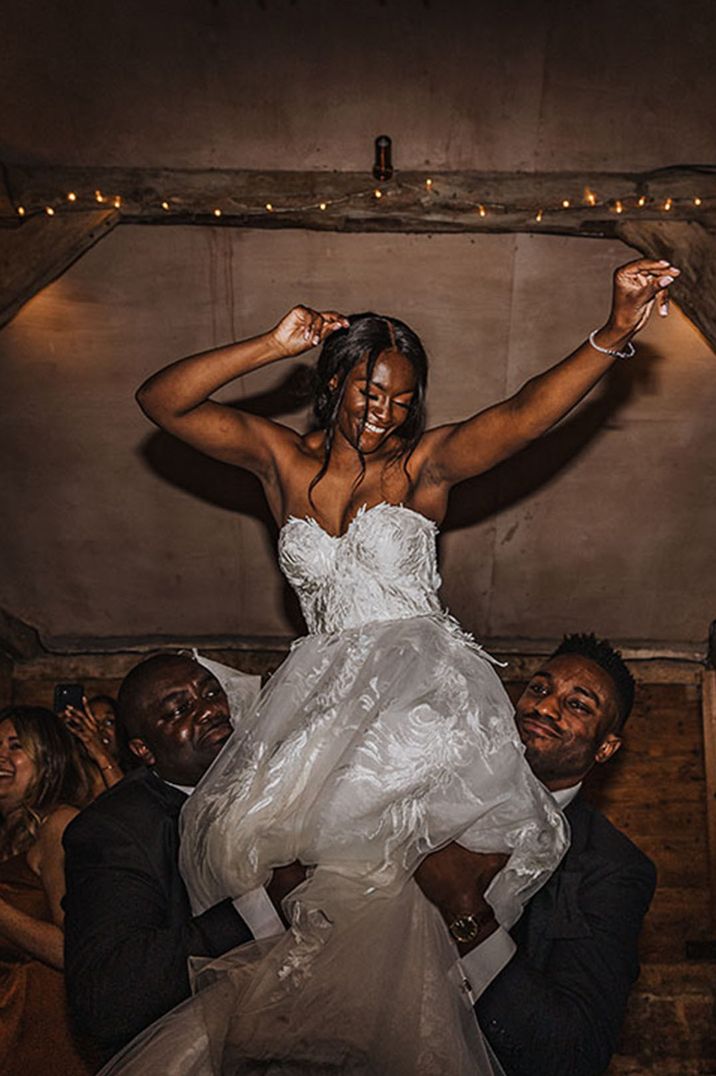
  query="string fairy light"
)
[{"x": 77, "y": 201}]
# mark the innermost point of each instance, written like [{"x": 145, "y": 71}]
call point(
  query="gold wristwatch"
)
[{"x": 465, "y": 928}]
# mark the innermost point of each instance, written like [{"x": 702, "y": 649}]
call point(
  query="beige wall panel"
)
[
  {"x": 620, "y": 536},
  {"x": 122, "y": 531}
]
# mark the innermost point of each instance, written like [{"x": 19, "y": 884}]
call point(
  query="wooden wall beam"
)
[
  {"x": 709, "y": 723},
  {"x": 35, "y": 254},
  {"x": 18, "y": 640}
]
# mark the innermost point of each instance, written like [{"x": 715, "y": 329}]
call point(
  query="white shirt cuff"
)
[
  {"x": 259, "y": 914},
  {"x": 483, "y": 963}
]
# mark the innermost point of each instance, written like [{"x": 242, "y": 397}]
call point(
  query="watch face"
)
[{"x": 465, "y": 928}]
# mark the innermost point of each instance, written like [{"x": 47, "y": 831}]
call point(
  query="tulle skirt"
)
[{"x": 367, "y": 750}]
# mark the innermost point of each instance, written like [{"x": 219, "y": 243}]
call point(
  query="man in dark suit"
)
[
  {"x": 551, "y": 998},
  {"x": 129, "y": 930}
]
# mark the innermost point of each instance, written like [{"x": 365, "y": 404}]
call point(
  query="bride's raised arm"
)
[
  {"x": 177, "y": 398},
  {"x": 465, "y": 449}
]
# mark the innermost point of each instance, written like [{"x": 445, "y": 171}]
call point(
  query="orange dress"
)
[{"x": 35, "y": 1037}]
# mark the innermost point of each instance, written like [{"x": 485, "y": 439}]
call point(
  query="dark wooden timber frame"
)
[
  {"x": 36, "y": 248},
  {"x": 708, "y": 703},
  {"x": 670, "y": 213}
]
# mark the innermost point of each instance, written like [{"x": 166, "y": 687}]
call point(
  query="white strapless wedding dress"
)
[{"x": 385, "y": 734}]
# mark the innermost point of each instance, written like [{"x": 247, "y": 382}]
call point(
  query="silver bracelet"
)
[{"x": 610, "y": 351}]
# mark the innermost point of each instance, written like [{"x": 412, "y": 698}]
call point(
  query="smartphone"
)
[{"x": 68, "y": 695}]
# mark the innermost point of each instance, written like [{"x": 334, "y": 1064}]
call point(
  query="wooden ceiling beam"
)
[
  {"x": 692, "y": 248},
  {"x": 451, "y": 202},
  {"x": 668, "y": 213},
  {"x": 35, "y": 254}
]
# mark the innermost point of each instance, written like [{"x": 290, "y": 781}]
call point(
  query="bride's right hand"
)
[{"x": 303, "y": 328}]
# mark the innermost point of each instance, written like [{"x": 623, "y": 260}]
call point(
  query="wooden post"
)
[{"x": 709, "y": 723}]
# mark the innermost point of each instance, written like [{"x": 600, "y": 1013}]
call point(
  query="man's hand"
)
[
  {"x": 455, "y": 879},
  {"x": 283, "y": 881}
]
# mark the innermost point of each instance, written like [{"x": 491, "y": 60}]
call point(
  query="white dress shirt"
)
[
  {"x": 255, "y": 907},
  {"x": 480, "y": 966},
  {"x": 475, "y": 970}
]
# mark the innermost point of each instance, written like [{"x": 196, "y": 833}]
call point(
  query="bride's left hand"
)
[{"x": 637, "y": 285}]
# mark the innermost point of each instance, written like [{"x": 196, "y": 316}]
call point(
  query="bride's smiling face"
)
[{"x": 373, "y": 410}]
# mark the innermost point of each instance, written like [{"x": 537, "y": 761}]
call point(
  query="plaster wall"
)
[
  {"x": 119, "y": 531},
  {"x": 473, "y": 84}
]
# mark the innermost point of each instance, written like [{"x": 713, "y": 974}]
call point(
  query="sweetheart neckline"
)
[{"x": 364, "y": 510}]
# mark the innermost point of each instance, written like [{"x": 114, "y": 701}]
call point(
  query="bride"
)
[{"x": 386, "y": 734}]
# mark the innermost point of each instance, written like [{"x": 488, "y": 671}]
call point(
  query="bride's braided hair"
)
[{"x": 368, "y": 336}]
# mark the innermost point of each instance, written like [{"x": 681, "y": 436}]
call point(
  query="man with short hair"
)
[
  {"x": 129, "y": 931},
  {"x": 551, "y": 998}
]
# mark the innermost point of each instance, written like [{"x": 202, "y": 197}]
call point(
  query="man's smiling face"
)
[
  {"x": 565, "y": 718},
  {"x": 183, "y": 717}
]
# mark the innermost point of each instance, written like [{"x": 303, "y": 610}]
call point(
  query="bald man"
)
[{"x": 129, "y": 931}]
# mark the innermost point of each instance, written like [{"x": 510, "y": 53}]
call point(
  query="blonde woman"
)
[{"x": 41, "y": 787}]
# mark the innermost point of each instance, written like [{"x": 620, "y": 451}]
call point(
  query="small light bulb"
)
[
  {"x": 72, "y": 197},
  {"x": 165, "y": 205},
  {"x": 217, "y": 212},
  {"x": 117, "y": 201},
  {"x": 642, "y": 201},
  {"x": 49, "y": 210},
  {"x": 590, "y": 197},
  {"x": 99, "y": 196},
  {"x": 697, "y": 200},
  {"x": 618, "y": 207},
  {"x": 668, "y": 204},
  {"x": 539, "y": 215},
  {"x": 482, "y": 211},
  {"x": 21, "y": 211},
  {"x": 565, "y": 203},
  {"x": 377, "y": 193},
  {"x": 322, "y": 206},
  {"x": 428, "y": 183},
  {"x": 269, "y": 207}
]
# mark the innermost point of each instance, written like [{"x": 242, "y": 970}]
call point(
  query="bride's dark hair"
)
[{"x": 368, "y": 336}]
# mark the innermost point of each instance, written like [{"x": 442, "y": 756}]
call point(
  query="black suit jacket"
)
[
  {"x": 557, "y": 1008},
  {"x": 129, "y": 930}
]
